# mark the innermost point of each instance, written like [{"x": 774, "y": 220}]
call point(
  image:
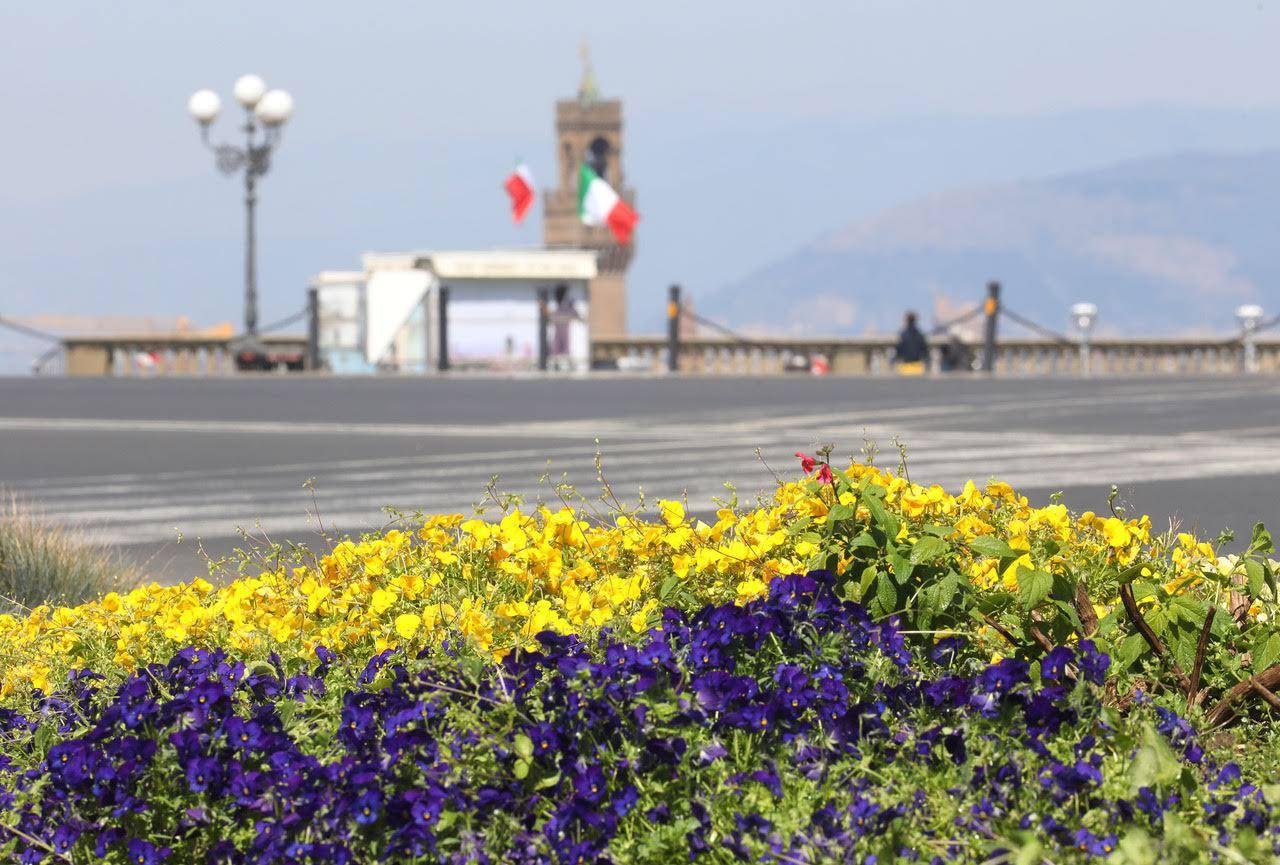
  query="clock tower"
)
[{"x": 589, "y": 129}]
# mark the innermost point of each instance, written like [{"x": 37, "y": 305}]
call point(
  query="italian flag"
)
[
  {"x": 598, "y": 204},
  {"x": 520, "y": 187}
]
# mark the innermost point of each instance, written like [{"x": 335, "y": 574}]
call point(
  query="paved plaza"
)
[{"x": 142, "y": 463}]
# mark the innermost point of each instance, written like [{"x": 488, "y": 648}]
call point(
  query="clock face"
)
[{"x": 598, "y": 153}]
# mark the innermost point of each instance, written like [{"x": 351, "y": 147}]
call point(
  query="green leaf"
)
[
  {"x": 1267, "y": 654},
  {"x": 664, "y": 591},
  {"x": 472, "y": 668},
  {"x": 986, "y": 545},
  {"x": 1155, "y": 764},
  {"x": 1136, "y": 848},
  {"x": 1131, "y": 648},
  {"x": 1261, "y": 542},
  {"x": 927, "y": 549},
  {"x": 1257, "y": 577},
  {"x": 1031, "y": 853},
  {"x": 524, "y": 746},
  {"x": 549, "y": 781},
  {"x": 862, "y": 539},
  {"x": 887, "y": 594},
  {"x": 947, "y": 589},
  {"x": 837, "y": 517},
  {"x": 1033, "y": 587},
  {"x": 521, "y": 770},
  {"x": 1188, "y": 610},
  {"x": 867, "y": 580},
  {"x": 1271, "y": 792},
  {"x": 902, "y": 567},
  {"x": 1069, "y": 611},
  {"x": 880, "y": 516}
]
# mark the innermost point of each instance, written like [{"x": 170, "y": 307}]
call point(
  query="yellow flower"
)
[
  {"x": 1117, "y": 534},
  {"x": 750, "y": 589},
  {"x": 382, "y": 601},
  {"x": 672, "y": 512},
  {"x": 407, "y": 625}
]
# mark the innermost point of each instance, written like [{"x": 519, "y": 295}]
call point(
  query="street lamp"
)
[
  {"x": 1083, "y": 316},
  {"x": 1249, "y": 316},
  {"x": 266, "y": 111}
]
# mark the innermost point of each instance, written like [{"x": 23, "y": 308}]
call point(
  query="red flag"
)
[
  {"x": 520, "y": 187},
  {"x": 621, "y": 220}
]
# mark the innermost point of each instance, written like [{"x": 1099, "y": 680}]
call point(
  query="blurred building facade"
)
[{"x": 481, "y": 307}]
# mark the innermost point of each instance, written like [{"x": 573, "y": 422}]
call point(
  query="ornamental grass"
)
[
  {"x": 43, "y": 563},
  {"x": 857, "y": 669}
]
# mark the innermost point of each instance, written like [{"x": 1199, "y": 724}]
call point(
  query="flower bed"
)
[{"x": 957, "y": 678}]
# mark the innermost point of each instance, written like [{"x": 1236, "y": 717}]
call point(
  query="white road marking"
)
[{"x": 666, "y": 454}]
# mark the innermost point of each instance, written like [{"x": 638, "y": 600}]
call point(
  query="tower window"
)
[{"x": 598, "y": 153}]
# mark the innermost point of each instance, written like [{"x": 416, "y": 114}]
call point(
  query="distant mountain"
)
[{"x": 1166, "y": 245}]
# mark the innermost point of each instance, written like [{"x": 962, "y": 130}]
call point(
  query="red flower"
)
[
  {"x": 824, "y": 474},
  {"x": 806, "y": 462}
]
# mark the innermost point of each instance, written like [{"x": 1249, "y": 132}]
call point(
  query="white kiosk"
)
[{"x": 387, "y": 317}]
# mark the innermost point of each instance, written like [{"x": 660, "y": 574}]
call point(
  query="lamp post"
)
[
  {"x": 1083, "y": 316},
  {"x": 1249, "y": 316},
  {"x": 266, "y": 112}
]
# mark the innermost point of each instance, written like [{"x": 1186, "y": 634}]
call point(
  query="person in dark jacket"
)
[
  {"x": 956, "y": 356},
  {"x": 912, "y": 353}
]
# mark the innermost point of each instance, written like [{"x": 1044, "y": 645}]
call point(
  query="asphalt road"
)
[{"x": 172, "y": 470}]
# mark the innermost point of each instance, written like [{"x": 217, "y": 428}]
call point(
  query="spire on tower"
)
[{"x": 588, "y": 92}]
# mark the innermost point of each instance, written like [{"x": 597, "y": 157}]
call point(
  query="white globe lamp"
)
[
  {"x": 204, "y": 106},
  {"x": 275, "y": 107},
  {"x": 1249, "y": 315},
  {"x": 249, "y": 89},
  {"x": 1083, "y": 315}
]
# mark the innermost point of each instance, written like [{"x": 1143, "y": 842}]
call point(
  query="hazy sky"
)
[{"x": 409, "y": 115}]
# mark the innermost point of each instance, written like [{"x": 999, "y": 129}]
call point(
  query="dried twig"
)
[
  {"x": 1000, "y": 629},
  {"x": 1224, "y": 709},
  {"x": 1193, "y": 693},
  {"x": 1238, "y": 603},
  {"x": 1039, "y": 637},
  {"x": 1156, "y": 644},
  {"x": 1084, "y": 609},
  {"x": 1264, "y": 692}
]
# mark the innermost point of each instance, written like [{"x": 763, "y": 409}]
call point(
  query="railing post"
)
[
  {"x": 673, "y": 329},
  {"x": 991, "y": 308},
  {"x": 442, "y": 323},
  {"x": 544, "y": 298},
  {"x": 313, "y": 328}
]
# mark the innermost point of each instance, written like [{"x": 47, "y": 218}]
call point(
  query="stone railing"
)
[
  {"x": 873, "y": 356},
  {"x": 174, "y": 354}
]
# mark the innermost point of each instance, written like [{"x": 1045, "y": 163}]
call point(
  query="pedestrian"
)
[
  {"x": 956, "y": 356},
  {"x": 911, "y": 357}
]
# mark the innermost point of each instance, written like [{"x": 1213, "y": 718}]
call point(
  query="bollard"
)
[
  {"x": 313, "y": 329},
  {"x": 991, "y": 308},
  {"x": 442, "y": 322},
  {"x": 673, "y": 329},
  {"x": 544, "y": 299},
  {"x": 1250, "y": 316}
]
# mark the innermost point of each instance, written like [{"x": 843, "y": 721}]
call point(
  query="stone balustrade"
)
[
  {"x": 195, "y": 355},
  {"x": 174, "y": 354},
  {"x": 873, "y": 355}
]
